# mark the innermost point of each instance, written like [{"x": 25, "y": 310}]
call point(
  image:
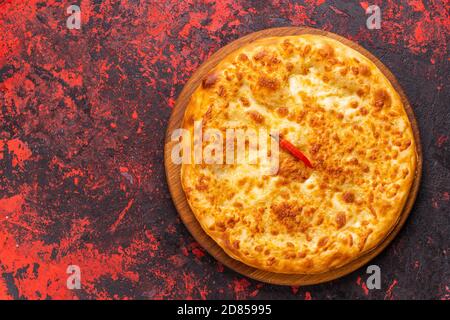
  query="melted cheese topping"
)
[{"x": 339, "y": 109}]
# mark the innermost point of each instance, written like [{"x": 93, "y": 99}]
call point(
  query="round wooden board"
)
[{"x": 186, "y": 214}]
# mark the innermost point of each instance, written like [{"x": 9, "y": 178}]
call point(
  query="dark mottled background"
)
[{"x": 82, "y": 122}]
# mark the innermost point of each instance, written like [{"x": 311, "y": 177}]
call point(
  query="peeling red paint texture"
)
[
  {"x": 446, "y": 294},
  {"x": 17, "y": 149},
  {"x": 441, "y": 140},
  {"x": 363, "y": 285},
  {"x": 389, "y": 293},
  {"x": 241, "y": 288},
  {"x": 83, "y": 115},
  {"x": 440, "y": 199},
  {"x": 364, "y": 5},
  {"x": 410, "y": 24}
]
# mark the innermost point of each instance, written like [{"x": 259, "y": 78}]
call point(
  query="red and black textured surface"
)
[{"x": 82, "y": 124}]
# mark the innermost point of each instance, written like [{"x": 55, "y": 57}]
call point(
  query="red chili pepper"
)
[{"x": 286, "y": 145}]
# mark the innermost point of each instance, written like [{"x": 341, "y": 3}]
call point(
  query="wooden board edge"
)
[{"x": 174, "y": 181}]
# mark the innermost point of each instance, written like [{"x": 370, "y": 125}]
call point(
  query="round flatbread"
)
[{"x": 338, "y": 108}]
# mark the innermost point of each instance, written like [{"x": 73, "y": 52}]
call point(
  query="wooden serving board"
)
[{"x": 187, "y": 216}]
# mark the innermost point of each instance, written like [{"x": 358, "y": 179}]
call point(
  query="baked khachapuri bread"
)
[{"x": 336, "y": 107}]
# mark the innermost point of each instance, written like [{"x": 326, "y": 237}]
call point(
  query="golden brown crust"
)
[{"x": 339, "y": 108}]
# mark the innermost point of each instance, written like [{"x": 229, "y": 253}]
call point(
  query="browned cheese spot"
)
[
  {"x": 382, "y": 99},
  {"x": 348, "y": 197},
  {"x": 268, "y": 83},
  {"x": 256, "y": 116},
  {"x": 341, "y": 219}
]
